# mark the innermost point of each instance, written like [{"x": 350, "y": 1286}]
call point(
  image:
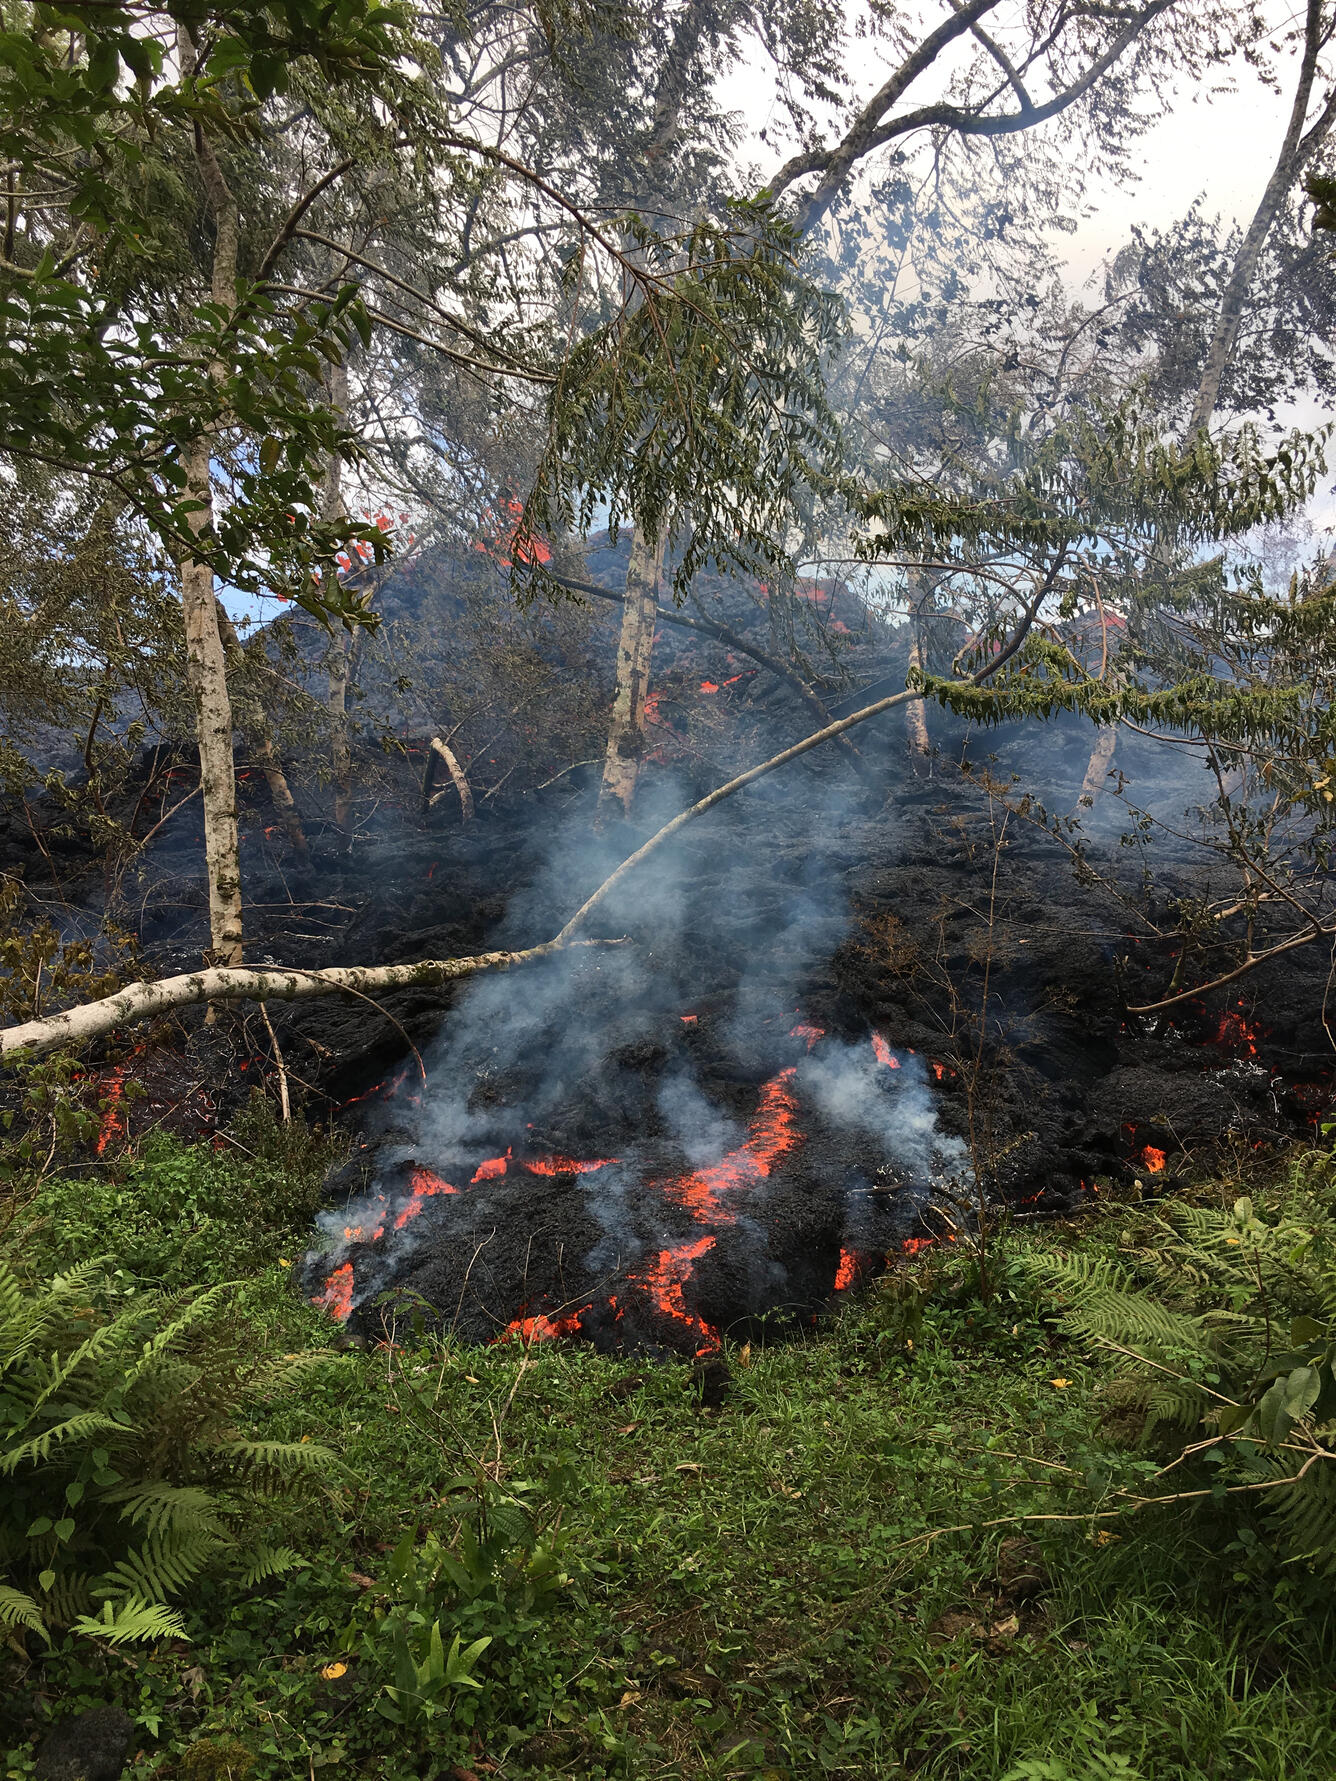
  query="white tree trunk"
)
[
  {"x": 1296, "y": 150},
  {"x": 626, "y": 730},
  {"x": 341, "y": 645},
  {"x": 206, "y": 666},
  {"x": 457, "y": 774},
  {"x": 916, "y": 718},
  {"x": 1097, "y": 769},
  {"x": 205, "y": 658}
]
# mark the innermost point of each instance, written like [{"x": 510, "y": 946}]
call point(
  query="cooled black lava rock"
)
[{"x": 91, "y": 1746}]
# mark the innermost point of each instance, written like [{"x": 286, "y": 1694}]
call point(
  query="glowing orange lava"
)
[
  {"x": 543, "y": 1329},
  {"x": 494, "y": 1166},
  {"x": 773, "y": 1134},
  {"x": 884, "y": 1053},
  {"x": 811, "y": 1034},
  {"x": 704, "y": 1193},
  {"x": 113, "y": 1119},
  {"x": 422, "y": 1185},
  {"x": 565, "y": 1165},
  {"x": 1237, "y": 1033},
  {"x": 337, "y": 1294},
  {"x": 1152, "y": 1159},
  {"x": 663, "y": 1282},
  {"x": 850, "y": 1268}
]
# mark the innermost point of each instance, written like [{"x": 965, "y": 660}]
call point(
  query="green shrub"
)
[
  {"x": 1224, "y": 1329},
  {"x": 498, "y": 1578},
  {"x": 122, "y": 1475},
  {"x": 180, "y": 1214}
]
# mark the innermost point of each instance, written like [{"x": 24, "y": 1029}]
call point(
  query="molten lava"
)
[
  {"x": 336, "y": 1296},
  {"x": 706, "y": 1193},
  {"x": 884, "y": 1053},
  {"x": 113, "y": 1117},
  {"x": 1237, "y": 1034},
  {"x": 543, "y": 1329},
  {"x": 811, "y": 1034},
  {"x": 422, "y": 1185},
  {"x": 851, "y": 1266},
  {"x": 566, "y": 1165},
  {"x": 663, "y": 1284},
  {"x": 1152, "y": 1160},
  {"x": 494, "y": 1166},
  {"x": 773, "y": 1134}
]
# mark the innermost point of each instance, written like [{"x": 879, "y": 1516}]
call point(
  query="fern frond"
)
[
  {"x": 131, "y": 1622},
  {"x": 162, "y": 1566},
  {"x": 76, "y": 1428},
  {"x": 289, "y": 1369},
  {"x": 162, "y": 1507},
  {"x": 268, "y": 1465},
  {"x": 68, "y": 1597},
  {"x": 1180, "y": 1402},
  {"x": 17, "y": 1609},
  {"x": 271, "y": 1561},
  {"x": 1304, "y": 1513},
  {"x": 1099, "y": 1300}
]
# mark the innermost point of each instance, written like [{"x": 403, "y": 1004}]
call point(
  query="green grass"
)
[{"x": 765, "y": 1588}]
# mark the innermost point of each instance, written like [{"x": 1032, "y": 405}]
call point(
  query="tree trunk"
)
[
  {"x": 207, "y": 670},
  {"x": 626, "y": 732},
  {"x": 1296, "y": 150},
  {"x": 916, "y": 717},
  {"x": 442, "y": 751},
  {"x": 205, "y": 660},
  {"x": 1097, "y": 770},
  {"x": 341, "y": 647},
  {"x": 340, "y": 748},
  {"x": 256, "y": 730}
]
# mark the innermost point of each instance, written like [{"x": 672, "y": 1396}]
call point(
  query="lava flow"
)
[
  {"x": 1237, "y": 1034},
  {"x": 336, "y": 1294},
  {"x": 113, "y": 1117},
  {"x": 705, "y": 1193},
  {"x": 541, "y": 1328}
]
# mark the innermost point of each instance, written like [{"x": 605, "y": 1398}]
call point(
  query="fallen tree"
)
[{"x": 145, "y": 1001}]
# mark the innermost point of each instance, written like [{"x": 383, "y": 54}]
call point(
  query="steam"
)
[
  {"x": 854, "y": 1089},
  {"x": 582, "y": 1065}
]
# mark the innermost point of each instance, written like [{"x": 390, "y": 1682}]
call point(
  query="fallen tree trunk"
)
[
  {"x": 140, "y": 1001},
  {"x": 284, "y": 983},
  {"x": 278, "y": 983}
]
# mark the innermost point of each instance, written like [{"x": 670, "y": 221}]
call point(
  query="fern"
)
[
  {"x": 17, "y": 1609},
  {"x": 1226, "y": 1328},
  {"x": 132, "y": 1621},
  {"x": 270, "y": 1561},
  {"x": 125, "y": 1477}
]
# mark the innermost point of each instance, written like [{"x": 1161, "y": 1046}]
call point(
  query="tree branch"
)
[{"x": 142, "y": 1001}]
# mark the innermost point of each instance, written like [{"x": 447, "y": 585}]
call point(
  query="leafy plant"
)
[
  {"x": 503, "y": 1569},
  {"x": 178, "y": 1214},
  {"x": 1226, "y": 1329},
  {"x": 124, "y": 1476}
]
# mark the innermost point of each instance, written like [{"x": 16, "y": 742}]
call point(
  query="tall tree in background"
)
[{"x": 956, "y": 81}]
